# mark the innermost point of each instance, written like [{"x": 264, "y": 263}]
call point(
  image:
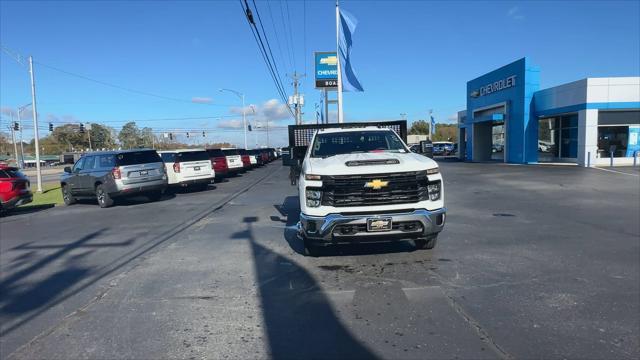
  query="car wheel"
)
[
  {"x": 104, "y": 200},
  {"x": 66, "y": 196},
  {"x": 155, "y": 196},
  {"x": 309, "y": 248},
  {"x": 426, "y": 243}
]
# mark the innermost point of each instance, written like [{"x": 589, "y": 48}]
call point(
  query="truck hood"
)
[{"x": 368, "y": 163}]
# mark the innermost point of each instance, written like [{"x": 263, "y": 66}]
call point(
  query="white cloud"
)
[
  {"x": 230, "y": 124},
  {"x": 270, "y": 110},
  {"x": 5, "y": 110},
  {"x": 514, "y": 13},
  {"x": 453, "y": 118},
  {"x": 201, "y": 100}
]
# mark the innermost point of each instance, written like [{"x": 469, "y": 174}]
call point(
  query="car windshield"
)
[
  {"x": 350, "y": 142},
  {"x": 230, "y": 152},
  {"x": 138, "y": 157}
]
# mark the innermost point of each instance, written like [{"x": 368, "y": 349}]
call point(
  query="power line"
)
[
  {"x": 287, "y": 38},
  {"x": 265, "y": 56},
  {"x": 266, "y": 38},
  {"x": 295, "y": 65},
  {"x": 273, "y": 26},
  {"x": 134, "y": 91}
]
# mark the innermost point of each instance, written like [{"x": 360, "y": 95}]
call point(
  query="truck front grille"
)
[{"x": 350, "y": 190}]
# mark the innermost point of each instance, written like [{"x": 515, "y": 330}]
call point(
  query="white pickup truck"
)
[{"x": 363, "y": 184}]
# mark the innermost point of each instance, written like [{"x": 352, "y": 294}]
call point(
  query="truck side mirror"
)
[{"x": 67, "y": 169}]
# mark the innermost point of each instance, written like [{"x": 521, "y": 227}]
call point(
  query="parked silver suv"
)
[{"x": 112, "y": 174}]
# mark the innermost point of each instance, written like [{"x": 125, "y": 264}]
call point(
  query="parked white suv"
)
[
  {"x": 234, "y": 160},
  {"x": 188, "y": 167}
]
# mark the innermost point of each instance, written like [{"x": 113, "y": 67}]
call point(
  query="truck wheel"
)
[
  {"x": 66, "y": 196},
  {"x": 104, "y": 200},
  {"x": 426, "y": 243},
  {"x": 309, "y": 248}
]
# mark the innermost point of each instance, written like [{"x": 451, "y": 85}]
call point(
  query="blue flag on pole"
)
[
  {"x": 433, "y": 125},
  {"x": 347, "y": 27}
]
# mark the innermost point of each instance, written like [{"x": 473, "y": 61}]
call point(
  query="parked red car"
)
[
  {"x": 219, "y": 162},
  {"x": 246, "y": 161},
  {"x": 14, "y": 188}
]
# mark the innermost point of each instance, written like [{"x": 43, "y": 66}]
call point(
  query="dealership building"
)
[{"x": 587, "y": 122}]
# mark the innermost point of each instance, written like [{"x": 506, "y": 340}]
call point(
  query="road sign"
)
[{"x": 326, "y": 70}]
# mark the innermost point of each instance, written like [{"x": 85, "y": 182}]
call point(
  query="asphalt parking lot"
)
[{"x": 534, "y": 262}]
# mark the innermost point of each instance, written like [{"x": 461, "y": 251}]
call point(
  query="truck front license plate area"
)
[{"x": 379, "y": 224}]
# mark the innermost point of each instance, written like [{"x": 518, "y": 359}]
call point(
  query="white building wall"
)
[
  {"x": 620, "y": 89},
  {"x": 587, "y": 137}
]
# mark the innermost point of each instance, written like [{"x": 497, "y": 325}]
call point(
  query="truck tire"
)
[
  {"x": 66, "y": 195},
  {"x": 104, "y": 200},
  {"x": 309, "y": 248},
  {"x": 426, "y": 243}
]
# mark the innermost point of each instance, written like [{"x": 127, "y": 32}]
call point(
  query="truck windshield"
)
[{"x": 330, "y": 144}]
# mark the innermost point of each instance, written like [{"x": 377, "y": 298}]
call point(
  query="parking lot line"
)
[{"x": 617, "y": 172}]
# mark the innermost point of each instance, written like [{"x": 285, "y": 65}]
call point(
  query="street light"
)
[{"x": 244, "y": 119}]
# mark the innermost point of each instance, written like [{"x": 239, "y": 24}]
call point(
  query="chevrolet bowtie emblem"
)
[{"x": 376, "y": 184}]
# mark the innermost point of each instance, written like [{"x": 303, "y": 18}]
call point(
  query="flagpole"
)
[{"x": 340, "y": 115}]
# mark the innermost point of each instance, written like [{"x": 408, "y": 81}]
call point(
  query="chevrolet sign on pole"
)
[{"x": 326, "y": 70}]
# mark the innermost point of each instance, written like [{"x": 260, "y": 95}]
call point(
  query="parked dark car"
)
[
  {"x": 108, "y": 175},
  {"x": 14, "y": 188}
]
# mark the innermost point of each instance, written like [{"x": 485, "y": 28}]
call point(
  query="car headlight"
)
[
  {"x": 313, "y": 203},
  {"x": 433, "y": 171},
  {"x": 314, "y": 194},
  {"x": 434, "y": 190},
  {"x": 312, "y": 177}
]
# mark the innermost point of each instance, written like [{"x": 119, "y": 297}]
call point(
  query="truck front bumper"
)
[{"x": 338, "y": 228}]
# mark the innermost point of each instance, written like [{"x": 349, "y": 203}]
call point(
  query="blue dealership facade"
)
[{"x": 508, "y": 118}]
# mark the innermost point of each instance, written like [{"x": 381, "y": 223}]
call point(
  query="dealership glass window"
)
[
  {"x": 569, "y": 136},
  {"x": 612, "y": 139},
  {"x": 548, "y": 137}
]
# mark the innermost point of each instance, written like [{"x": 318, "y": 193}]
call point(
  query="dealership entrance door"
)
[{"x": 489, "y": 135}]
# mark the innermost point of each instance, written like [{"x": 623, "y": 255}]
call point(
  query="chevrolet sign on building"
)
[{"x": 494, "y": 87}]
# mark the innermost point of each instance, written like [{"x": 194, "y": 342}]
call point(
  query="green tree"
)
[
  {"x": 102, "y": 137},
  {"x": 70, "y": 138},
  {"x": 446, "y": 132},
  {"x": 419, "y": 127},
  {"x": 129, "y": 136}
]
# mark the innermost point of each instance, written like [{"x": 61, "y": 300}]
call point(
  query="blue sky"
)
[{"x": 410, "y": 56}]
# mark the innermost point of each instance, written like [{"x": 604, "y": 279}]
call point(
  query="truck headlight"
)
[
  {"x": 433, "y": 171},
  {"x": 314, "y": 194},
  {"x": 313, "y": 197},
  {"x": 312, "y": 177},
  {"x": 434, "y": 190},
  {"x": 313, "y": 203}
]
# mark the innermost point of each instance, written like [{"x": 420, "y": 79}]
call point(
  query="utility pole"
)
[
  {"x": 21, "y": 141},
  {"x": 297, "y": 100},
  {"x": 35, "y": 124},
  {"x": 13, "y": 139},
  {"x": 89, "y": 135}
]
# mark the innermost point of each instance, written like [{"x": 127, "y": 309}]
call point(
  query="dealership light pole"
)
[{"x": 244, "y": 119}]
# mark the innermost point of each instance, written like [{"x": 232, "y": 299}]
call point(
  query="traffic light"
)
[
  {"x": 16, "y": 126},
  {"x": 249, "y": 126},
  {"x": 203, "y": 134},
  {"x": 187, "y": 135},
  {"x": 50, "y": 127},
  {"x": 170, "y": 136},
  {"x": 81, "y": 128}
]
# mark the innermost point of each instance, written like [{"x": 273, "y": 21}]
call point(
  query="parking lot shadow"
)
[
  {"x": 290, "y": 209},
  {"x": 20, "y": 293},
  {"x": 299, "y": 320}
]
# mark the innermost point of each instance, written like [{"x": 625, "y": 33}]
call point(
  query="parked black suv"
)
[{"x": 112, "y": 174}]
